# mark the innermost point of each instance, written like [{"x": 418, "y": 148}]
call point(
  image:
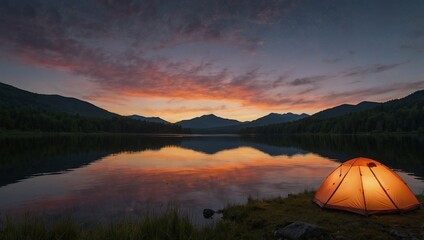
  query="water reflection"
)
[
  {"x": 398, "y": 152},
  {"x": 111, "y": 177}
]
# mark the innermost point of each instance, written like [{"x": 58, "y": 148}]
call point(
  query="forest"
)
[
  {"x": 397, "y": 116},
  {"x": 29, "y": 120}
]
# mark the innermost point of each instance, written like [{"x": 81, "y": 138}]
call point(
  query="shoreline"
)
[
  {"x": 256, "y": 219},
  {"x": 17, "y": 133}
]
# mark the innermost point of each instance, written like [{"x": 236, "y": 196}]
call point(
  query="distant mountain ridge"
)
[
  {"x": 404, "y": 115},
  {"x": 207, "y": 121},
  {"x": 274, "y": 118},
  {"x": 233, "y": 126},
  {"x": 14, "y": 97},
  {"x": 148, "y": 119},
  {"x": 398, "y": 115}
]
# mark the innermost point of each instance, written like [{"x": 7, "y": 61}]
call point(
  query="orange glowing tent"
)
[{"x": 365, "y": 186}]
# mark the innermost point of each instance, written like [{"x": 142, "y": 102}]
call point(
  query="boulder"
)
[
  {"x": 300, "y": 230},
  {"x": 208, "y": 213},
  {"x": 402, "y": 235}
]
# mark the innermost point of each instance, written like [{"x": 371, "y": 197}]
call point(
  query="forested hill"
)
[
  {"x": 344, "y": 109},
  {"x": 400, "y": 115},
  {"x": 14, "y": 97},
  {"x": 28, "y": 120},
  {"x": 25, "y": 111}
]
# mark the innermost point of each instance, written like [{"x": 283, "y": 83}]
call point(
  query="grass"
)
[
  {"x": 262, "y": 217},
  {"x": 257, "y": 219}
]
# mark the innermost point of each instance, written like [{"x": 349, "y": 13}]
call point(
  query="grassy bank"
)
[{"x": 257, "y": 219}]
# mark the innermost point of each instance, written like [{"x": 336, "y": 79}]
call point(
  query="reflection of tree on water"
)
[
  {"x": 399, "y": 152},
  {"x": 23, "y": 157}
]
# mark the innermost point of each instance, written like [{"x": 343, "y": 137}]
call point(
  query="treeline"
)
[
  {"x": 402, "y": 116},
  {"x": 22, "y": 119}
]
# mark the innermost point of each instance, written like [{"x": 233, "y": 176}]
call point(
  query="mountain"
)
[
  {"x": 415, "y": 99},
  {"x": 17, "y": 98},
  {"x": 148, "y": 119},
  {"x": 344, "y": 109},
  {"x": 271, "y": 118},
  {"x": 404, "y": 115},
  {"x": 274, "y": 118},
  {"x": 25, "y": 111},
  {"x": 207, "y": 121}
]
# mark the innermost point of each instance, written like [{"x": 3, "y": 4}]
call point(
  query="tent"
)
[{"x": 365, "y": 186}]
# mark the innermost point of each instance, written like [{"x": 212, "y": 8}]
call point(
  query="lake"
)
[{"x": 104, "y": 178}]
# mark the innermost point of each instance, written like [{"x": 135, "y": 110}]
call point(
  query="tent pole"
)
[
  {"x": 363, "y": 191},
  {"x": 384, "y": 189},
  {"x": 335, "y": 190}
]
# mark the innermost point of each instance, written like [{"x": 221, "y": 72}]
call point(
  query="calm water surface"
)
[{"x": 107, "y": 178}]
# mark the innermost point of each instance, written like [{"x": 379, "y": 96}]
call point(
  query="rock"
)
[
  {"x": 299, "y": 230},
  {"x": 401, "y": 235},
  {"x": 339, "y": 237},
  {"x": 208, "y": 213}
]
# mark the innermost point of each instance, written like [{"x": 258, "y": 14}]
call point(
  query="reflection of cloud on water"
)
[
  {"x": 127, "y": 184},
  {"x": 131, "y": 182}
]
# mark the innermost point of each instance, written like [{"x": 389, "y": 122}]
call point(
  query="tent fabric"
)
[{"x": 365, "y": 186}]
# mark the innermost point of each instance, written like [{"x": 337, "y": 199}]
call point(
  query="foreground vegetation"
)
[{"x": 257, "y": 219}]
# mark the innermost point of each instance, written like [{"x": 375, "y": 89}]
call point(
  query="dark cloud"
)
[
  {"x": 414, "y": 47},
  {"x": 332, "y": 60},
  {"x": 313, "y": 83},
  {"x": 417, "y": 34},
  {"x": 354, "y": 72},
  {"x": 373, "y": 92},
  {"x": 414, "y": 43},
  {"x": 310, "y": 80},
  {"x": 107, "y": 41},
  {"x": 113, "y": 44},
  {"x": 147, "y": 23},
  {"x": 363, "y": 71}
]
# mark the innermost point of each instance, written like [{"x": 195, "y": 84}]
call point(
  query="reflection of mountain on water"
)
[
  {"x": 14, "y": 172},
  {"x": 213, "y": 145},
  {"x": 25, "y": 157}
]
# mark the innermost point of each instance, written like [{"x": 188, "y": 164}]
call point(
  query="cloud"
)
[
  {"x": 363, "y": 71},
  {"x": 301, "y": 81},
  {"x": 178, "y": 110},
  {"x": 414, "y": 42},
  {"x": 332, "y": 60},
  {"x": 108, "y": 42},
  {"x": 310, "y": 80},
  {"x": 417, "y": 34},
  {"x": 372, "y": 92},
  {"x": 115, "y": 44},
  {"x": 417, "y": 47},
  {"x": 315, "y": 80}
]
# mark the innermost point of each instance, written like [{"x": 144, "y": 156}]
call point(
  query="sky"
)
[{"x": 233, "y": 58}]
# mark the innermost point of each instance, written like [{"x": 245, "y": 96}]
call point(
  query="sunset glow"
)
[{"x": 235, "y": 59}]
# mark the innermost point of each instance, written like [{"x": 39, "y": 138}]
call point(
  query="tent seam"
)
[
  {"x": 384, "y": 189},
  {"x": 339, "y": 183},
  {"x": 363, "y": 190}
]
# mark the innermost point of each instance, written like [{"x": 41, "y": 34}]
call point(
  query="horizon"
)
[
  {"x": 208, "y": 114},
  {"x": 237, "y": 60}
]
